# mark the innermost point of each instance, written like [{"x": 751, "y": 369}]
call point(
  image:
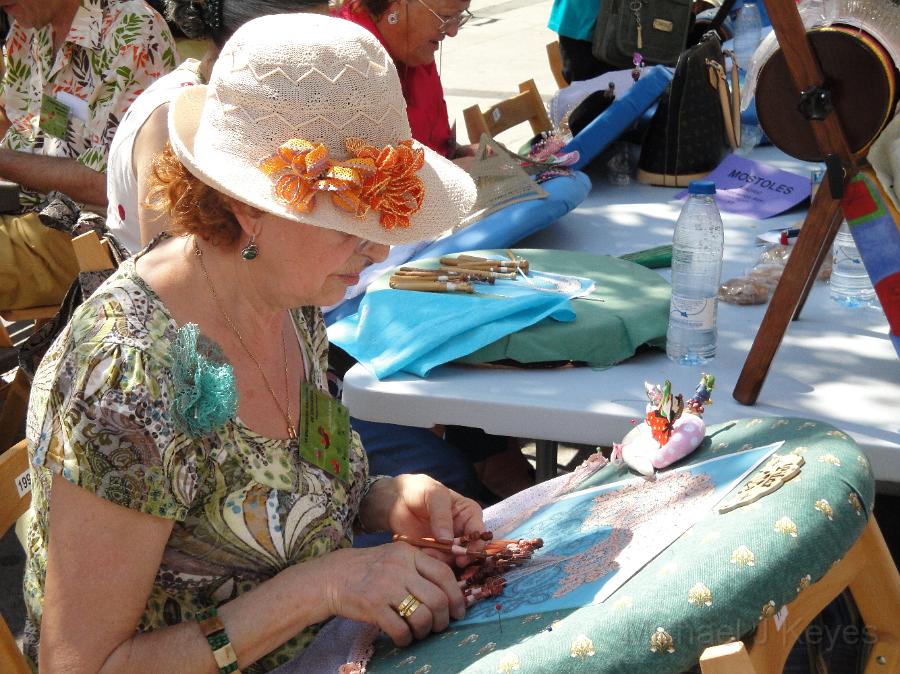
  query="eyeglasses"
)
[{"x": 447, "y": 23}]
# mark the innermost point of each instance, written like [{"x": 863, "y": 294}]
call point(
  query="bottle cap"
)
[{"x": 702, "y": 187}]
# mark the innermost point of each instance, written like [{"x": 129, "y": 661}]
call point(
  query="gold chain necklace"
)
[{"x": 292, "y": 432}]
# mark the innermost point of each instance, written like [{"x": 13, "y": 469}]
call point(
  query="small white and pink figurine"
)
[{"x": 671, "y": 429}]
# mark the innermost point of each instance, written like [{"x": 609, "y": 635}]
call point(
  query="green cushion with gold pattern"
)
[{"x": 713, "y": 584}]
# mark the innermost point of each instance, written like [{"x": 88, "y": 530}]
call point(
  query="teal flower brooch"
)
[{"x": 205, "y": 390}]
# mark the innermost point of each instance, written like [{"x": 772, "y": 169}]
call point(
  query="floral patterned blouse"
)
[
  {"x": 244, "y": 506},
  {"x": 113, "y": 51}
]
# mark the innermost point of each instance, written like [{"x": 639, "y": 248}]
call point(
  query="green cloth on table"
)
[
  {"x": 634, "y": 311},
  {"x": 653, "y": 258},
  {"x": 747, "y": 559}
]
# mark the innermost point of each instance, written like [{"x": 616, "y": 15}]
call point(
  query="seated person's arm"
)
[
  {"x": 45, "y": 174},
  {"x": 103, "y": 559},
  {"x": 125, "y": 76},
  {"x": 100, "y": 569},
  {"x": 4, "y": 120},
  {"x": 148, "y": 142}
]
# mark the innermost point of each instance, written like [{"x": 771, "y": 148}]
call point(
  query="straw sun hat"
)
[{"x": 304, "y": 117}]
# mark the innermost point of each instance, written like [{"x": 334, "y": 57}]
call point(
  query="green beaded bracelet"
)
[{"x": 214, "y": 631}]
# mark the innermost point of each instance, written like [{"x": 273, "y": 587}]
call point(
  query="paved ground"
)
[{"x": 504, "y": 44}]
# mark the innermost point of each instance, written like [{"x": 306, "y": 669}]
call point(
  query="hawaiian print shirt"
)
[
  {"x": 244, "y": 506},
  {"x": 113, "y": 51}
]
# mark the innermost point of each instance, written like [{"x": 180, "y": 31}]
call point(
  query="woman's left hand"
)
[{"x": 423, "y": 506}]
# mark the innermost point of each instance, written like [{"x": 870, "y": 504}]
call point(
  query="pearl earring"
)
[{"x": 394, "y": 17}]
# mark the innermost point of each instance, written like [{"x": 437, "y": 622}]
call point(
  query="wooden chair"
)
[
  {"x": 92, "y": 254},
  {"x": 526, "y": 106},
  {"x": 15, "y": 497},
  {"x": 555, "y": 58},
  {"x": 870, "y": 574}
]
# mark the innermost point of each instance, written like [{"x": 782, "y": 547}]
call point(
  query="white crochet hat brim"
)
[{"x": 222, "y": 131}]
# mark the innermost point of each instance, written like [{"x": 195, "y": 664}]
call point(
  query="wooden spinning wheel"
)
[{"x": 817, "y": 112}]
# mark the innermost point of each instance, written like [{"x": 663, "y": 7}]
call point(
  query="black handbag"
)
[
  {"x": 697, "y": 117},
  {"x": 657, "y": 29}
]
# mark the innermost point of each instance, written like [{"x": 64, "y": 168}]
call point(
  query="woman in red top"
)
[{"x": 412, "y": 31}]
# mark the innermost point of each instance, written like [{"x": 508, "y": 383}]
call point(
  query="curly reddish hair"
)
[{"x": 193, "y": 207}]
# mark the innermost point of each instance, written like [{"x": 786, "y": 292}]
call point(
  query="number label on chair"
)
[{"x": 23, "y": 483}]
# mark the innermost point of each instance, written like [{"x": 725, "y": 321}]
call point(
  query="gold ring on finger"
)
[{"x": 408, "y": 606}]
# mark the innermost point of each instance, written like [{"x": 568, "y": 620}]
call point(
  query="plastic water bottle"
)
[
  {"x": 747, "y": 33},
  {"x": 850, "y": 284},
  {"x": 697, "y": 249}
]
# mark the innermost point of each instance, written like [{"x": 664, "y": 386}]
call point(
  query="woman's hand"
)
[
  {"x": 425, "y": 507},
  {"x": 465, "y": 150},
  {"x": 465, "y": 163},
  {"x": 418, "y": 506},
  {"x": 368, "y": 584}
]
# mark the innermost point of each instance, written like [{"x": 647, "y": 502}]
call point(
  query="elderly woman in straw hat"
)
[{"x": 200, "y": 485}]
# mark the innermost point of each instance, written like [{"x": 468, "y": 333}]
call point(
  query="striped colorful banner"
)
[{"x": 876, "y": 231}]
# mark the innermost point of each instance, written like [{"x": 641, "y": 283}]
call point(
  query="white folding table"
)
[{"x": 835, "y": 364}]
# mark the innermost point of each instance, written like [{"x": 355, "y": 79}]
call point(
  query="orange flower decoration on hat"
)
[
  {"x": 372, "y": 179},
  {"x": 302, "y": 170},
  {"x": 393, "y": 190}
]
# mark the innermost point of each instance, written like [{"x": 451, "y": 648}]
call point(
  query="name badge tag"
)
[
  {"x": 324, "y": 432},
  {"x": 54, "y": 117}
]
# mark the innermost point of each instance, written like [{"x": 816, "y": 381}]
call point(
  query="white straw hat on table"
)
[{"x": 316, "y": 81}]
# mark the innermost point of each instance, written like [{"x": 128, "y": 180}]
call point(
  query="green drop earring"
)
[{"x": 251, "y": 250}]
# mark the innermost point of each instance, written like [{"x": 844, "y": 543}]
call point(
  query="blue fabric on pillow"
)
[
  {"x": 415, "y": 332},
  {"x": 610, "y": 124},
  {"x": 501, "y": 229}
]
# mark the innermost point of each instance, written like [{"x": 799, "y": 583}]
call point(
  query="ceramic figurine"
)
[{"x": 671, "y": 430}]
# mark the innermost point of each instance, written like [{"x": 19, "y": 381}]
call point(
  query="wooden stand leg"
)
[
  {"x": 877, "y": 595},
  {"x": 824, "y": 251},
  {"x": 823, "y": 218},
  {"x": 799, "y": 273}
]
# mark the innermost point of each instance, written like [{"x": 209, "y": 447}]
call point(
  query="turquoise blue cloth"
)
[
  {"x": 619, "y": 116},
  {"x": 574, "y": 18},
  {"x": 415, "y": 332}
]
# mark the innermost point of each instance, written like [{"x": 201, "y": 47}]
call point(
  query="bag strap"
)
[{"x": 730, "y": 99}]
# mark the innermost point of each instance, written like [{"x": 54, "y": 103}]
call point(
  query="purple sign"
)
[{"x": 755, "y": 189}]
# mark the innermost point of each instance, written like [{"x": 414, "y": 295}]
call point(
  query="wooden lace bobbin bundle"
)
[
  {"x": 482, "y": 577},
  {"x": 860, "y": 75},
  {"x": 470, "y": 262}
]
